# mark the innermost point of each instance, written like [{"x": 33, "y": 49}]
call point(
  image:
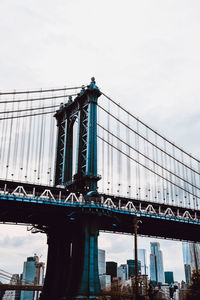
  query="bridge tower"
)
[
  {"x": 84, "y": 110},
  {"x": 72, "y": 264}
]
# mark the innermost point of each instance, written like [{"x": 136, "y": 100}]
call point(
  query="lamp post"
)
[{"x": 136, "y": 256}]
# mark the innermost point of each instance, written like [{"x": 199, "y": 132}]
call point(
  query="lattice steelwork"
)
[{"x": 84, "y": 108}]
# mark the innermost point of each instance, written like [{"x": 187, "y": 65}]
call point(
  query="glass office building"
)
[{"x": 156, "y": 264}]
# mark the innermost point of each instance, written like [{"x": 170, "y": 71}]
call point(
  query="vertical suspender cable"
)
[
  {"x": 175, "y": 179},
  {"x": 155, "y": 168},
  {"x": 102, "y": 155},
  {"x": 28, "y": 145},
  {"x": 108, "y": 148},
  {"x": 40, "y": 148},
  {"x": 146, "y": 173},
  {"x": 138, "y": 159},
  {"x": 16, "y": 144},
  {"x": 128, "y": 159},
  {"x": 3, "y": 134},
  {"x": 111, "y": 183},
  {"x": 9, "y": 142},
  {"x": 23, "y": 142},
  {"x": 118, "y": 153},
  {"x": 171, "y": 179}
]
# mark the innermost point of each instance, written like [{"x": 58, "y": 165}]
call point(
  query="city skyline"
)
[{"x": 124, "y": 255}]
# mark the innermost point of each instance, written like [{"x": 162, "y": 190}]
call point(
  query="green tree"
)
[{"x": 193, "y": 291}]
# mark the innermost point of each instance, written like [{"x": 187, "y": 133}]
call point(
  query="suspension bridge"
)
[{"x": 72, "y": 168}]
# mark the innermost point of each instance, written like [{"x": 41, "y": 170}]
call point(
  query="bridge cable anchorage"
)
[
  {"x": 147, "y": 157},
  {"x": 166, "y": 180},
  {"x": 141, "y": 136},
  {"x": 144, "y": 124},
  {"x": 40, "y": 91}
]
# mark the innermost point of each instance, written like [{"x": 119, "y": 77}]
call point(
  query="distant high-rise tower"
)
[
  {"x": 9, "y": 294},
  {"x": 131, "y": 267},
  {"x": 191, "y": 259},
  {"x": 101, "y": 261},
  {"x": 194, "y": 256},
  {"x": 122, "y": 272},
  {"x": 156, "y": 264},
  {"x": 186, "y": 261},
  {"x": 33, "y": 273},
  {"x": 142, "y": 259},
  {"x": 169, "y": 277},
  {"x": 111, "y": 269}
]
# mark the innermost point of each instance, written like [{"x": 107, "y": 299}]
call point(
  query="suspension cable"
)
[
  {"x": 141, "y": 136},
  {"x": 28, "y": 109},
  {"x": 30, "y": 115},
  {"x": 38, "y": 99},
  {"x": 142, "y": 165},
  {"x": 154, "y": 131},
  {"x": 40, "y": 91}
]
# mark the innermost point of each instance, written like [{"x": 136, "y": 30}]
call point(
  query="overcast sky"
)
[{"x": 145, "y": 54}]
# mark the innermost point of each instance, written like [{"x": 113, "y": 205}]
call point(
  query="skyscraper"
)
[
  {"x": 12, "y": 295},
  {"x": 101, "y": 261},
  {"x": 169, "y": 277},
  {"x": 142, "y": 259},
  {"x": 131, "y": 267},
  {"x": 33, "y": 273},
  {"x": 186, "y": 253},
  {"x": 105, "y": 280},
  {"x": 186, "y": 261},
  {"x": 194, "y": 256},
  {"x": 122, "y": 272},
  {"x": 191, "y": 259},
  {"x": 156, "y": 264},
  {"x": 111, "y": 269}
]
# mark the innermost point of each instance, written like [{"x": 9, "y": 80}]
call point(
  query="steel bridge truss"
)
[
  {"x": 83, "y": 110},
  {"x": 106, "y": 204}
]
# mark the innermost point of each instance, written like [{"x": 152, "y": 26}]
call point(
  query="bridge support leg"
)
[
  {"x": 59, "y": 259},
  {"x": 89, "y": 285},
  {"x": 72, "y": 264}
]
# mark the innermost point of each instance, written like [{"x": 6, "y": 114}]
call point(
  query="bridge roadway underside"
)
[
  {"x": 72, "y": 230},
  {"x": 45, "y": 215}
]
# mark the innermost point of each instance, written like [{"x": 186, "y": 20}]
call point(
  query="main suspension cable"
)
[
  {"x": 40, "y": 91},
  {"x": 142, "y": 165},
  {"x": 38, "y": 99},
  {"x": 154, "y": 131},
  {"x": 141, "y": 136},
  {"x": 29, "y": 115},
  {"x": 28, "y": 109}
]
